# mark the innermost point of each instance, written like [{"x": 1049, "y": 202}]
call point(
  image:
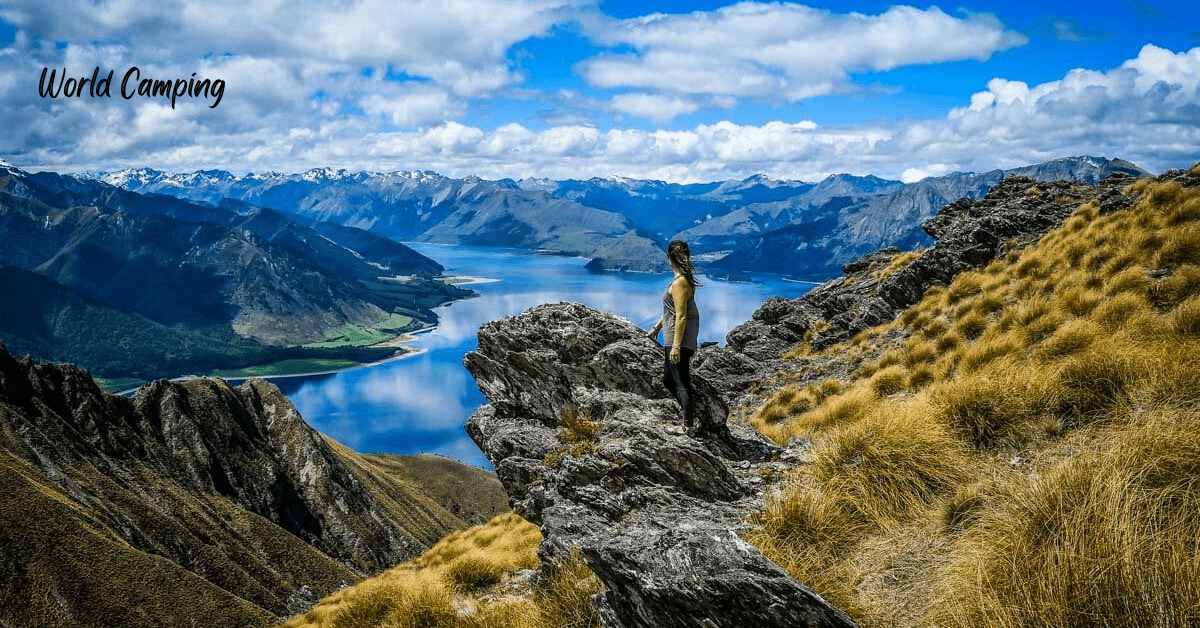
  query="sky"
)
[{"x": 675, "y": 91}]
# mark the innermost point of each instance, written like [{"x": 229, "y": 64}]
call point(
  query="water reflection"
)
[{"x": 420, "y": 402}]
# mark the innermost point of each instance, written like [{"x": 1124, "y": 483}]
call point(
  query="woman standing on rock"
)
[{"x": 680, "y": 323}]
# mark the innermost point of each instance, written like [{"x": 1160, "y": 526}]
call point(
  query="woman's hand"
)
[{"x": 675, "y": 354}]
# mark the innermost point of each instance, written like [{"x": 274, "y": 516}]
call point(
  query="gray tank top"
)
[{"x": 692, "y": 328}]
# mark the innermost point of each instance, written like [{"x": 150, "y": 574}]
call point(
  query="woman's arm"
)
[
  {"x": 653, "y": 333},
  {"x": 681, "y": 293}
]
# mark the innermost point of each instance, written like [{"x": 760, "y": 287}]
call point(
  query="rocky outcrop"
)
[
  {"x": 969, "y": 233},
  {"x": 221, "y": 495},
  {"x": 581, "y": 432}
]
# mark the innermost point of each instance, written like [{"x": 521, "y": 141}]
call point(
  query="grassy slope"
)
[
  {"x": 57, "y": 531},
  {"x": 1018, "y": 449},
  {"x": 97, "y": 578},
  {"x": 1026, "y": 455},
  {"x": 470, "y": 493}
]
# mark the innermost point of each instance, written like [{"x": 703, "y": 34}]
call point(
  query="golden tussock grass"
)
[
  {"x": 1078, "y": 299},
  {"x": 1107, "y": 538},
  {"x": 890, "y": 462},
  {"x": 1029, "y": 454},
  {"x": 1182, "y": 282},
  {"x": 897, "y": 263},
  {"x": 786, "y": 403},
  {"x": 993, "y": 405},
  {"x": 889, "y": 381},
  {"x": 1182, "y": 246},
  {"x": 870, "y": 474},
  {"x": 971, "y": 325},
  {"x": 454, "y": 585},
  {"x": 1186, "y": 318},
  {"x": 578, "y": 431}
]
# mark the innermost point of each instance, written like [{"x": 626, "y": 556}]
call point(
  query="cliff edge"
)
[{"x": 578, "y": 428}]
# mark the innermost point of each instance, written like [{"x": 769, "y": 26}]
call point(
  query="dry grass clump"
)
[
  {"x": 1128, "y": 281},
  {"x": 897, "y": 263},
  {"x": 1186, "y": 318},
  {"x": 788, "y": 402},
  {"x": 841, "y": 408},
  {"x": 577, "y": 426},
  {"x": 578, "y": 431},
  {"x": 1181, "y": 283},
  {"x": 1068, "y": 340},
  {"x": 481, "y": 556},
  {"x": 1079, "y": 299},
  {"x": 461, "y": 583},
  {"x": 995, "y": 405},
  {"x": 1091, "y": 385},
  {"x": 972, "y": 325},
  {"x": 889, "y": 381},
  {"x": 890, "y": 463},
  {"x": 1115, "y": 312},
  {"x": 986, "y": 350}
]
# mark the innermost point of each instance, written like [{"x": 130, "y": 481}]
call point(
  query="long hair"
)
[{"x": 680, "y": 257}]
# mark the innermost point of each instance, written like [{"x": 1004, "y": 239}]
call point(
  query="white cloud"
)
[
  {"x": 782, "y": 50},
  {"x": 411, "y": 106},
  {"x": 653, "y": 106},
  {"x": 912, "y": 175},
  {"x": 300, "y": 75},
  {"x": 1147, "y": 109},
  {"x": 460, "y": 44}
]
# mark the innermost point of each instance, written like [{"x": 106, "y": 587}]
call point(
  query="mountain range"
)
[
  {"x": 421, "y": 206},
  {"x": 757, "y": 224},
  {"x": 151, "y": 285}
]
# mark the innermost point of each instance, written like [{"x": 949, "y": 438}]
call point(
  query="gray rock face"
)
[{"x": 579, "y": 428}]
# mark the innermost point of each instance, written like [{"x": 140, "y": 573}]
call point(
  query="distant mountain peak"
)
[{"x": 762, "y": 179}]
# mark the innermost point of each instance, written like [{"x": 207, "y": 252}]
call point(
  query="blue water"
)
[{"x": 419, "y": 403}]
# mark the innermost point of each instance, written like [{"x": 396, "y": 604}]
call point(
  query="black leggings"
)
[{"x": 677, "y": 378}]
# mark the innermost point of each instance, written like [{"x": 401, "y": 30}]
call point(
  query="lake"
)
[{"x": 420, "y": 403}]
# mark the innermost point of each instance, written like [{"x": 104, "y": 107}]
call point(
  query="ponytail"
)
[{"x": 681, "y": 258}]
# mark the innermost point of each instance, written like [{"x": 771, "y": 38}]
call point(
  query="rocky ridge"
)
[
  {"x": 968, "y": 233},
  {"x": 581, "y": 430},
  {"x": 191, "y": 499}
]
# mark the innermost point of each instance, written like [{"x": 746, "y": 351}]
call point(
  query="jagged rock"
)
[
  {"x": 574, "y": 346},
  {"x": 655, "y": 514}
]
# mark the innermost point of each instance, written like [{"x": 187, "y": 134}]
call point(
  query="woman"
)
[{"x": 680, "y": 322}]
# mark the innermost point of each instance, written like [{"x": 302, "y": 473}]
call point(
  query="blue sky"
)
[{"x": 679, "y": 91}]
